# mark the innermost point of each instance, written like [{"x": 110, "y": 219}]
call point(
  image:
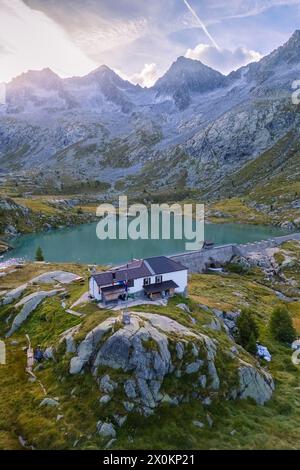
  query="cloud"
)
[
  {"x": 218, "y": 10},
  {"x": 35, "y": 41},
  {"x": 97, "y": 26},
  {"x": 145, "y": 78},
  {"x": 224, "y": 60},
  {"x": 106, "y": 35},
  {"x": 4, "y": 49}
]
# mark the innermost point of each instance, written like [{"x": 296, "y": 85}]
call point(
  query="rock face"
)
[
  {"x": 140, "y": 356},
  {"x": 186, "y": 76},
  {"x": 88, "y": 346}
]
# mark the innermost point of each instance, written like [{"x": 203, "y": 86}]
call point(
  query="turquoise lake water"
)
[{"x": 80, "y": 243}]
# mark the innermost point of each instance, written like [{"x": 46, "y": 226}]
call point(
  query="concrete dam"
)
[{"x": 199, "y": 261}]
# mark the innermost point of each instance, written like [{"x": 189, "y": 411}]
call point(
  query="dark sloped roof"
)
[
  {"x": 103, "y": 279},
  {"x": 160, "y": 286},
  {"x": 132, "y": 273},
  {"x": 124, "y": 273},
  {"x": 162, "y": 264},
  {"x": 138, "y": 269}
]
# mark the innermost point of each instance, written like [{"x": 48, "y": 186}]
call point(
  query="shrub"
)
[
  {"x": 247, "y": 331},
  {"x": 39, "y": 254},
  {"x": 235, "y": 268},
  {"x": 281, "y": 325}
]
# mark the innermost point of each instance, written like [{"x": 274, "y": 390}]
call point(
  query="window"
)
[
  {"x": 158, "y": 279},
  {"x": 147, "y": 281}
]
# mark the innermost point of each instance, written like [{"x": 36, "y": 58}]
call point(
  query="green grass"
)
[
  {"x": 236, "y": 210},
  {"x": 273, "y": 426},
  {"x": 31, "y": 214}
]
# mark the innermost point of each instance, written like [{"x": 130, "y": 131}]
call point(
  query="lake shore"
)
[{"x": 31, "y": 214}]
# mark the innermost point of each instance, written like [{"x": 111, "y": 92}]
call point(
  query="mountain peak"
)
[
  {"x": 296, "y": 35},
  {"x": 191, "y": 64},
  {"x": 103, "y": 71},
  {"x": 108, "y": 76},
  {"x": 44, "y": 78},
  {"x": 183, "y": 60},
  {"x": 293, "y": 42},
  {"x": 185, "y": 76},
  {"x": 285, "y": 55}
]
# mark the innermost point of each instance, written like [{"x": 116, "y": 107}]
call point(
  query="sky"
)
[{"x": 139, "y": 39}]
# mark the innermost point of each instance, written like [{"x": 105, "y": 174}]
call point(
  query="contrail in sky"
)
[{"x": 201, "y": 24}]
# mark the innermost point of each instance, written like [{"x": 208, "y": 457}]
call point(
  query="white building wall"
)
[
  {"x": 180, "y": 277},
  {"x": 94, "y": 289}
]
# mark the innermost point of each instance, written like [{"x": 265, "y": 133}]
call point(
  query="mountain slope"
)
[{"x": 194, "y": 128}]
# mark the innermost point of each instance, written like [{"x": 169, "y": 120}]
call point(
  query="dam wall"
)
[{"x": 199, "y": 261}]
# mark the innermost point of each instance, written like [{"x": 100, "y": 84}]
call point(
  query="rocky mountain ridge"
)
[{"x": 195, "y": 126}]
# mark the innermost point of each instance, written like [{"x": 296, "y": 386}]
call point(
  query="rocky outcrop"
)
[
  {"x": 63, "y": 277},
  {"x": 106, "y": 429},
  {"x": 88, "y": 346},
  {"x": 152, "y": 348},
  {"x": 49, "y": 402},
  {"x": 29, "y": 304},
  {"x": 68, "y": 337},
  {"x": 14, "y": 294},
  {"x": 254, "y": 383}
]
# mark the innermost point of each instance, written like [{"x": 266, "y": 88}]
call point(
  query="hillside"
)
[
  {"x": 26, "y": 215},
  {"x": 266, "y": 190},
  {"x": 193, "y": 362}
]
